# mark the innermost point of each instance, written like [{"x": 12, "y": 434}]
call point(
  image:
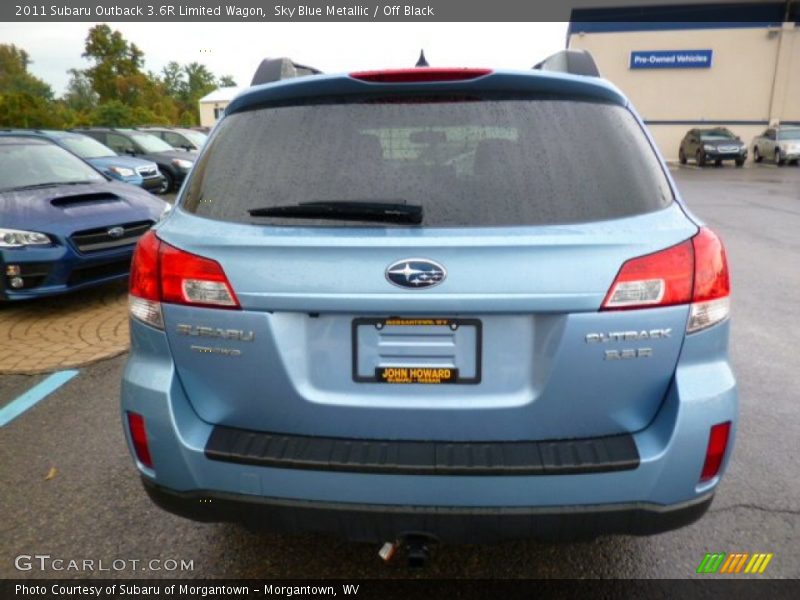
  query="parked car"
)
[
  {"x": 712, "y": 145},
  {"x": 63, "y": 225},
  {"x": 127, "y": 169},
  {"x": 173, "y": 164},
  {"x": 779, "y": 144},
  {"x": 370, "y": 316},
  {"x": 177, "y": 137}
]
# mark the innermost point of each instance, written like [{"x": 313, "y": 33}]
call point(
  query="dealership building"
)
[
  {"x": 212, "y": 106},
  {"x": 742, "y": 73}
]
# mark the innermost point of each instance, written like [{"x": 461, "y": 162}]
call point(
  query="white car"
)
[{"x": 780, "y": 144}]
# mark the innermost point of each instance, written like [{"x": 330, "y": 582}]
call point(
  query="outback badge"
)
[{"x": 415, "y": 273}]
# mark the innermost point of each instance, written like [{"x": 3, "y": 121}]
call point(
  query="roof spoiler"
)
[
  {"x": 574, "y": 62},
  {"x": 276, "y": 69}
]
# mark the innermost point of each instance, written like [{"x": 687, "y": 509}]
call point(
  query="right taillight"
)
[
  {"x": 715, "y": 451},
  {"x": 712, "y": 287},
  {"x": 693, "y": 272},
  {"x": 163, "y": 273}
]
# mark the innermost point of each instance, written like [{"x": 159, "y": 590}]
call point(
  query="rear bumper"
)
[
  {"x": 457, "y": 524},
  {"x": 405, "y": 457},
  {"x": 363, "y": 498}
]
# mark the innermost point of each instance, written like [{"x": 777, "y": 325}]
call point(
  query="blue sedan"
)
[{"x": 63, "y": 225}]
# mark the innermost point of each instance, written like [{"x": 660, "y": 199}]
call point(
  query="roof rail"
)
[
  {"x": 276, "y": 69},
  {"x": 574, "y": 62}
]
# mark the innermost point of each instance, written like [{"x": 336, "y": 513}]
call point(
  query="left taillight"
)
[
  {"x": 693, "y": 272},
  {"x": 161, "y": 273},
  {"x": 144, "y": 299}
]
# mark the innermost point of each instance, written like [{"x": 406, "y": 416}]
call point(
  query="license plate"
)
[
  {"x": 416, "y": 350},
  {"x": 433, "y": 375}
]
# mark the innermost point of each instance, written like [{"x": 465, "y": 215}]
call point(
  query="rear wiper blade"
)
[{"x": 345, "y": 210}]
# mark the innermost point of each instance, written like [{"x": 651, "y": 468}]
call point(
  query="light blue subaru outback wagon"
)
[{"x": 458, "y": 305}]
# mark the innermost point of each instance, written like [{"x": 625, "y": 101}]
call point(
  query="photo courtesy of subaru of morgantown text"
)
[{"x": 388, "y": 307}]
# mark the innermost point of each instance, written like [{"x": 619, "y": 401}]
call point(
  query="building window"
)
[{"x": 218, "y": 112}]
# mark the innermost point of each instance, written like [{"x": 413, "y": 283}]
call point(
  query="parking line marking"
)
[{"x": 34, "y": 395}]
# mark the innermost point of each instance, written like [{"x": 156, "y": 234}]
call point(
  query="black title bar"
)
[
  {"x": 397, "y": 10},
  {"x": 390, "y": 589}
]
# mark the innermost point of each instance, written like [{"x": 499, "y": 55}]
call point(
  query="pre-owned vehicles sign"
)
[{"x": 670, "y": 59}]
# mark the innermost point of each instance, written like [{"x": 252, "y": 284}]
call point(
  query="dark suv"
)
[
  {"x": 183, "y": 139},
  {"x": 712, "y": 145},
  {"x": 173, "y": 164}
]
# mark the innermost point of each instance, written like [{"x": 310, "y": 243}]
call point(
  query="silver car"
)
[{"x": 780, "y": 144}]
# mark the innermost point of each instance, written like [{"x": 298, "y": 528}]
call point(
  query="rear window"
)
[{"x": 468, "y": 163}]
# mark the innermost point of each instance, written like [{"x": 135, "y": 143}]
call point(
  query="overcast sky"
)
[{"x": 237, "y": 48}]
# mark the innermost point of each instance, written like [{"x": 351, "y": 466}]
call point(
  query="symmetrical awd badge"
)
[{"x": 415, "y": 273}]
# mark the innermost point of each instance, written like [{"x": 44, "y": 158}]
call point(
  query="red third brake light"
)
[
  {"x": 419, "y": 74},
  {"x": 163, "y": 273},
  {"x": 694, "y": 271},
  {"x": 717, "y": 444}
]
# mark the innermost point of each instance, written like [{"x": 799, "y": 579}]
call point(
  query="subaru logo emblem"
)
[
  {"x": 115, "y": 232},
  {"x": 415, "y": 273}
]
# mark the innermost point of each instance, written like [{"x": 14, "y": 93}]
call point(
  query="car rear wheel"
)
[
  {"x": 778, "y": 158},
  {"x": 681, "y": 156},
  {"x": 700, "y": 158},
  {"x": 756, "y": 155}
]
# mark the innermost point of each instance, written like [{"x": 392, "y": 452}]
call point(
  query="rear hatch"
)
[{"x": 444, "y": 283}]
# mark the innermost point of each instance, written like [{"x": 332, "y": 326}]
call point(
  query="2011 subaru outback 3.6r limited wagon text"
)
[{"x": 448, "y": 304}]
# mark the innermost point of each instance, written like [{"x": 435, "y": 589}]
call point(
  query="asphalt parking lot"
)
[{"x": 69, "y": 488}]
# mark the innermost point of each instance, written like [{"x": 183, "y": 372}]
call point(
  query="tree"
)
[
  {"x": 114, "y": 90},
  {"x": 186, "y": 85},
  {"x": 113, "y": 114},
  {"x": 172, "y": 78},
  {"x": 199, "y": 82},
  {"x": 25, "y": 100},
  {"x": 21, "y": 109},
  {"x": 14, "y": 75},
  {"x": 80, "y": 96},
  {"x": 117, "y": 70}
]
